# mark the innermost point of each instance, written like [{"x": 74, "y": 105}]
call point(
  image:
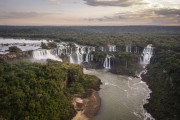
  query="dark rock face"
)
[{"x": 14, "y": 56}]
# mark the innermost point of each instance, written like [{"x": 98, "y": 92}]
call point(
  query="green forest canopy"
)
[
  {"x": 159, "y": 36},
  {"x": 41, "y": 91}
]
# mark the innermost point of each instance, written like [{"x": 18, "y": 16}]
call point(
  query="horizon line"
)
[{"x": 90, "y": 25}]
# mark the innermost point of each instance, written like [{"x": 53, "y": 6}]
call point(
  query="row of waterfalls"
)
[
  {"x": 78, "y": 54},
  {"x": 122, "y": 97},
  {"x": 129, "y": 94}
]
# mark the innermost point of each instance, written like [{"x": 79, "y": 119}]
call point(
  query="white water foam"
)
[
  {"x": 45, "y": 54},
  {"x": 107, "y": 62}
]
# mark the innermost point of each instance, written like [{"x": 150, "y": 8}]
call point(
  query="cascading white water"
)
[
  {"x": 79, "y": 58},
  {"x": 71, "y": 60},
  {"x": 88, "y": 50},
  {"x": 44, "y": 54},
  {"x": 102, "y": 49},
  {"x": 62, "y": 48},
  {"x": 146, "y": 55},
  {"x": 79, "y": 54},
  {"x": 83, "y": 50},
  {"x": 92, "y": 57},
  {"x": 89, "y": 57},
  {"x": 107, "y": 62},
  {"x": 76, "y": 57},
  {"x": 136, "y": 49},
  {"x": 144, "y": 60},
  {"x": 93, "y": 49},
  {"x": 128, "y": 48},
  {"x": 112, "y": 48}
]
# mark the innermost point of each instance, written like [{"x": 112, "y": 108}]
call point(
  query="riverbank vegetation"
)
[
  {"x": 162, "y": 74},
  {"x": 163, "y": 78},
  {"x": 125, "y": 63},
  {"x": 41, "y": 91}
]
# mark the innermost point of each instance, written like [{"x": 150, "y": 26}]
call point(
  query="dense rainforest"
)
[
  {"x": 162, "y": 73},
  {"x": 162, "y": 38},
  {"x": 41, "y": 91},
  {"x": 159, "y": 36},
  {"x": 163, "y": 78}
]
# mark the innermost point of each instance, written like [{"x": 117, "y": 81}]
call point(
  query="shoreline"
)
[
  {"x": 88, "y": 107},
  {"x": 146, "y": 106}
]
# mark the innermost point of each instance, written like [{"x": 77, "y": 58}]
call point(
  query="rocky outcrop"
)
[
  {"x": 87, "y": 107},
  {"x": 14, "y": 56}
]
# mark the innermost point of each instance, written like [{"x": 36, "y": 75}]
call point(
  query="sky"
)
[{"x": 90, "y": 12}]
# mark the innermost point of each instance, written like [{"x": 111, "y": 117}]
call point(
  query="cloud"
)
[
  {"x": 167, "y": 16},
  {"x": 11, "y": 15},
  {"x": 117, "y": 17},
  {"x": 167, "y": 12},
  {"x": 122, "y": 3},
  {"x": 107, "y": 18},
  {"x": 159, "y": 16}
]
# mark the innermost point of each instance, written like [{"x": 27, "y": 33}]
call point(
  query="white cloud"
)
[{"x": 20, "y": 15}]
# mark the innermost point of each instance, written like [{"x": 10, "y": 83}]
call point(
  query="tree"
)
[
  {"x": 14, "y": 49},
  {"x": 34, "y": 91},
  {"x": 52, "y": 45},
  {"x": 43, "y": 45}
]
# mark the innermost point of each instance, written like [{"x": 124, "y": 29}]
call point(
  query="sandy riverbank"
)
[{"x": 88, "y": 107}]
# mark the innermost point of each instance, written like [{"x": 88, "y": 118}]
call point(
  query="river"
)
[{"x": 122, "y": 97}]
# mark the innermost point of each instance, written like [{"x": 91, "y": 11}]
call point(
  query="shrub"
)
[{"x": 14, "y": 49}]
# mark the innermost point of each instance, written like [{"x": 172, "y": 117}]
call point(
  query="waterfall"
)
[
  {"x": 44, "y": 54},
  {"x": 136, "y": 49},
  {"x": 83, "y": 50},
  {"x": 87, "y": 57},
  {"x": 146, "y": 55},
  {"x": 71, "y": 59},
  {"x": 144, "y": 60},
  {"x": 77, "y": 56},
  {"x": 79, "y": 52},
  {"x": 90, "y": 49},
  {"x": 102, "y": 49},
  {"x": 128, "y": 48},
  {"x": 92, "y": 57},
  {"x": 107, "y": 62},
  {"x": 58, "y": 51},
  {"x": 112, "y": 48},
  {"x": 62, "y": 49},
  {"x": 93, "y": 49}
]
